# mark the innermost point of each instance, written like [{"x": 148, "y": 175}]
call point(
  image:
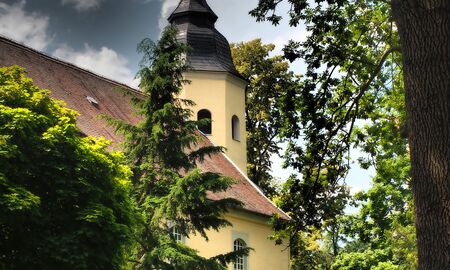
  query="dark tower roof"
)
[
  {"x": 193, "y": 6},
  {"x": 210, "y": 49}
]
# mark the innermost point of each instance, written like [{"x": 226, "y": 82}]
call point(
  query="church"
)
[{"x": 219, "y": 93}]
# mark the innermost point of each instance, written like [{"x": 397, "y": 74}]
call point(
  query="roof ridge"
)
[{"x": 65, "y": 63}]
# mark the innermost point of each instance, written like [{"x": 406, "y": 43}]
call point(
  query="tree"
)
[
  {"x": 366, "y": 260},
  {"x": 64, "y": 199},
  {"x": 269, "y": 106},
  {"x": 385, "y": 222},
  {"x": 381, "y": 235},
  {"x": 311, "y": 251},
  {"x": 331, "y": 99},
  {"x": 424, "y": 30},
  {"x": 163, "y": 150},
  {"x": 341, "y": 33}
]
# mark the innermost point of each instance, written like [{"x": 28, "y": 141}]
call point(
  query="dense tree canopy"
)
[
  {"x": 64, "y": 200},
  {"x": 169, "y": 190}
]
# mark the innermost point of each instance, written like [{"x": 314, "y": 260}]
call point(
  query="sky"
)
[{"x": 102, "y": 36}]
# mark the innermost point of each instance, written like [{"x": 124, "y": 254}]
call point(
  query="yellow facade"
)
[
  {"x": 254, "y": 230},
  {"x": 224, "y": 96}
]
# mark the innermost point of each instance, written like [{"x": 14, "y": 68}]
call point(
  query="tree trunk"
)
[{"x": 424, "y": 28}]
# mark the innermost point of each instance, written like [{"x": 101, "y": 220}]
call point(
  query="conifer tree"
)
[{"x": 169, "y": 190}]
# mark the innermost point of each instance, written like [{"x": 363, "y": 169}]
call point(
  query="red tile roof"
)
[{"x": 77, "y": 86}]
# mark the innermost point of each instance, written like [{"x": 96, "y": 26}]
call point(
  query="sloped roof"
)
[
  {"x": 210, "y": 49},
  {"x": 191, "y": 6},
  {"x": 76, "y": 86}
]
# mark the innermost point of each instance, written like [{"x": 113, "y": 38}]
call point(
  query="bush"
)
[{"x": 64, "y": 201}]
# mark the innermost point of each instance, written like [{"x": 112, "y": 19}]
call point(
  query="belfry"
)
[{"x": 216, "y": 87}]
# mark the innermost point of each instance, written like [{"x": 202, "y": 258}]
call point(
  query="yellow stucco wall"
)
[
  {"x": 254, "y": 230},
  {"x": 224, "y": 96}
]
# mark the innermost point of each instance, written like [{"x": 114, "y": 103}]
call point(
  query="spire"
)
[
  {"x": 195, "y": 21},
  {"x": 193, "y": 8}
]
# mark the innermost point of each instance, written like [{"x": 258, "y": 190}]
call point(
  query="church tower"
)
[{"x": 216, "y": 87}]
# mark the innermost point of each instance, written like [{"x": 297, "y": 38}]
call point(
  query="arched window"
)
[
  {"x": 240, "y": 263},
  {"x": 205, "y": 128},
  {"x": 235, "y": 128}
]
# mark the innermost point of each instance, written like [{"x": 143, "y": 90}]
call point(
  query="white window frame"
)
[
  {"x": 241, "y": 262},
  {"x": 177, "y": 235},
  {"x": 175, "y": 232}
]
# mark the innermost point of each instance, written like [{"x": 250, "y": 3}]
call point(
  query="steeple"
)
[
  {"x": 193, "y": 8},
  {"x": 210, "y": 49},
  {"x": 216, "y": 87}
]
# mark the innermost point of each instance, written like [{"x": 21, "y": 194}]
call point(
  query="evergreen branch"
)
[
  {"x": 207, "y": 151},
  {"x": 231, "y": 257}
]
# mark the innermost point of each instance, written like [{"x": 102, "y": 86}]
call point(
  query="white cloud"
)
[
  {"x": 168, "y": 6},
  {"x": 105, "y": 62},
  {"x": 83, "y": 5},
  {"x": 28, "y": 28}
]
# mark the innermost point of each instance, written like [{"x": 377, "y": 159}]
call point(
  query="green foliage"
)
[
  {"x": 349, "y": 55},
  {"x": 386, "y": 218},
  {"x": 352, "y": 96},
  {"x": 367, "y": 260},
  {"x": 270, "y": 97},
  {"x": 382, "y": 234},
  {"x": 64, "y": 199},
  {"x": 310, "y": 253},
  {"x": 163, "y": 150}
]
